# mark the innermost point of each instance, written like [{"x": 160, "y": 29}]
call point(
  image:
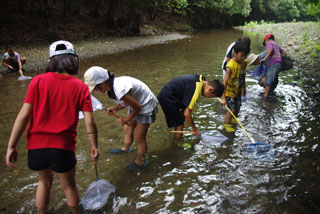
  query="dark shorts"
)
[
  {"x": 233, "y": 103},
  {"x": 174, "y": 115},
  {"x": 59, "y": 160},
  {"x": 15, "y": 66}
]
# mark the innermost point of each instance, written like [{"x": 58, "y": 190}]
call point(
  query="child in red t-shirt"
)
[{"x": 52, "y": 106}]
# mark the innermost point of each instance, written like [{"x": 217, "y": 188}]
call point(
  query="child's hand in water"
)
[{"x": 196, "y": 132}]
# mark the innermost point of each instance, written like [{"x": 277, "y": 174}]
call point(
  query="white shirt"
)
[
  {"x": 224, "y": 62},
  {"x": 139, "y": 90}
]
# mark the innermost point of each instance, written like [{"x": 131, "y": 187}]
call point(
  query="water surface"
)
[{"x": 209, "y": 177}]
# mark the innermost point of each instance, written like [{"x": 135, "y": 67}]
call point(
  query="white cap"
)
[
  {"x": 94, "y": 76},
  {"x": 252, "y": 58},
  {"x": 61, "y": 47}
]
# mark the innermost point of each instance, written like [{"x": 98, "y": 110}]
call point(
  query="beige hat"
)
[
  {"x": 252, "y": 58},
  {"x": 94, "y": 76}
]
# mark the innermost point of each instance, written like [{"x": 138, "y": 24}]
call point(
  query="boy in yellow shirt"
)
[{"x": 234, "y": 82}]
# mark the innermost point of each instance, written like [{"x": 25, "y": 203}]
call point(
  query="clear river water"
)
[{"x": 205, "y": 177}]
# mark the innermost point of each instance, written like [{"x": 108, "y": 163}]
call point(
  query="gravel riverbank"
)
[
  {"x": 37, "y": 54},
  {"x": 302, "y": 42}
]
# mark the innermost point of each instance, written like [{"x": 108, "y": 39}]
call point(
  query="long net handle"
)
[
  {"x": 252, "y": 140},
  {"x": 116, "y": 116},
  {"x": 181, "y": 132},
  {"x": 96, "y": 171}
]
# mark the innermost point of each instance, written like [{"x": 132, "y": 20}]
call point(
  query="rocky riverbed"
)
[
  {"x": 302, "y": 42},
  {"x": 37, "y": 54}
]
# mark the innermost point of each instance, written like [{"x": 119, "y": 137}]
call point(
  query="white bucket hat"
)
[
  {"x": 252, "y": 58},
  {"x": 94, "y": 76},
  {"x": 61, "y": 47}
]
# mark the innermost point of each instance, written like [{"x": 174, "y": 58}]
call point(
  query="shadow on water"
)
[{"x": 206, "y": 178}]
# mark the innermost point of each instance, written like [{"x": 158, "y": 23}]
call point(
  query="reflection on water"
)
[{"x": 207, "y": 178}]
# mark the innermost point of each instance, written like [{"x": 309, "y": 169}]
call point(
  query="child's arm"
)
[
  {"x": 20, "y": 67},
  {"x": 92, "y": 130},
  {"x": 244, "y": 91},
  {"x": 188, "y": 116},
  {"x": 136, "y": 108},
  {"x": 5, "y": 64},
  {"x": 19, "y": 126},
  {"x": 267, "y": 55},
  {"x": 223, "y": 100},
  {"x": 112, "y": 110}
]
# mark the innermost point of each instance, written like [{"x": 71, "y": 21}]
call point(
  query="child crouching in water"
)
[
  {"x": 127, "y": 91},
  {"x": 234, "y": 82}
]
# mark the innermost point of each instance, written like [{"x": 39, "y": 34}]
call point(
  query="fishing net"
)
[
  {"x": 97, "y": 194},
  {"x": 213, "y": 136},
  {"x": 96, "y": 105},
  {"x": 24, "y": 78},
  {"x": 261, "y": 151}
]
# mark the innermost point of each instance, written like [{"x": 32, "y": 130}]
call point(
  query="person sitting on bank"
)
[
  {"x": 13, "y": 61},
  {"x": 179, "y": 96}
]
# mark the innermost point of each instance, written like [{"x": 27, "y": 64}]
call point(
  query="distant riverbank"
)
[
  {"x": 302, "y": 42},
  {"x": 37, "y": 54}
]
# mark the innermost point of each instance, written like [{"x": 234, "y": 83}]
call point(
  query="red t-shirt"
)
[{"x": 57, "y": 100}]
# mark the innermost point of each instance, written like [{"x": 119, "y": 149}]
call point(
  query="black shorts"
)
[
  {"x": 174, "y": 115},
  {"x": 59, "y": 160}
]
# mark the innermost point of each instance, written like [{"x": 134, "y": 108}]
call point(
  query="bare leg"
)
[
  {"x": 179, "y": 135},
  {"x": 68, "y": 183},
  {"x": 43, "y": 189},
  {"x": 141, "y": 140},
  {"x": 267, "y": 91},
  {"x": 23, "y": 60},
  {"x": 129, "y": 134},
  {"x": 228, "y": 118}
]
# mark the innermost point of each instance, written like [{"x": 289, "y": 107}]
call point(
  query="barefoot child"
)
[
  {"x": 234, "y": 82},
  {"x": 127, "y": 91},
  {"x": 179, "y": 96},
  {"x": 52, "y": 106}
]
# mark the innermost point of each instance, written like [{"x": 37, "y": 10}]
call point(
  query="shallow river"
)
[{"x": 209, "y": 177}]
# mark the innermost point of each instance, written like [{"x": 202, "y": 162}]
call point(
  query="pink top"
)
[{"x": 275, "y": 56}]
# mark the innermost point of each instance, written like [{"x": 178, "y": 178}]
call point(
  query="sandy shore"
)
[{"x": 37, "y": 54}]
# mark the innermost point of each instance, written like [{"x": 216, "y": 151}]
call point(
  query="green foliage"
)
[
  {"x": 282, "y": 10},
  {"x": 255, "y": 24},
  {"x": 241, "y": 7},
  {"x": 287, "y": 10},
  {"x": 251, "y": 24},
  {"x": 311, "y": 47},
  {"x": 177, "y": 6},
  {"x": 314, "y": 10}
]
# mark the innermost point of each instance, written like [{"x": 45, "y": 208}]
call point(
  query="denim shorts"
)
[
  {"x": 59, "y": 160},
  {"x": 233, "y": 103},
  {"x": 272, "y": 75},
  {"x": 146, "y": 118}
]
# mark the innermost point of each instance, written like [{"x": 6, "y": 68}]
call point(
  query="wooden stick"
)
[
  {"x": 116, "y": 116},
  {"x": 96, "y": 171},
  {"x": 181, "y": 132}
]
